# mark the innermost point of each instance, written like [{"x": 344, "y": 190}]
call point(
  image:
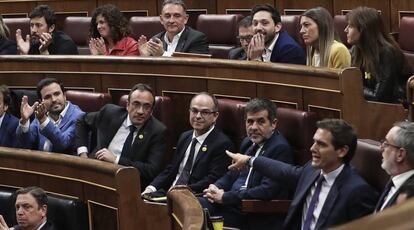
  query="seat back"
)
[
  {"x": 367, "y": 162},
  {"x": 184, "y": 209},
  {"x": 405, "y": 38},
  {"x": 17, "y": 23},
  {"x": 340, "y": 24},
  {"x": 291, "y": 24},
  {"x": 16, "y": 100},
  {"x": 88, "y": 101},
  {"x": 221, "y": 31},
  {"x": 78, "y": 29},
  {"x": 298, "y": 127},
  {"x": 410, "y": 98},
  {"x": 147, "y": 26},
  {"x": 231, "y": 119}
]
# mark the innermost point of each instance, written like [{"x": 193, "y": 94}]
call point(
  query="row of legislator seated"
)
[{"x": 200, "y": 159}]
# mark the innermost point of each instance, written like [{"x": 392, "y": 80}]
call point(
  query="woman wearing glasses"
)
[
  {"x": 318, "y": 34},
  {"x": 110, "y": 34}
]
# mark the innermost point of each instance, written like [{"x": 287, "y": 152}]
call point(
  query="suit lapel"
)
[
  {"x": 204, "y": 149},
  {"x": 142, "y": 135},
  {"x": 182, "y": 41},
  {"x": 394, "y": 197},
  {"x": 112, "y": 129},
  {"x": 3, "y": 128},
  {"x": 65, "y": 118}
]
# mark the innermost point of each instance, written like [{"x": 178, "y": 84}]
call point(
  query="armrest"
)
[{"x": 260, "y": 206}]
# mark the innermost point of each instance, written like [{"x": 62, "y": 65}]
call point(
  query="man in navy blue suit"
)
[
  {"x": 225, "y": 195},
  {"x": 269, "y": 43},
  {"x": 200, "y": 157},
  {"x": 328, "y": 191},
  {"x": 53, "y": 128},
  {"x": 8, "y": 122}
]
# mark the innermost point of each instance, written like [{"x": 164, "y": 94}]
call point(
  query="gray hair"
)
[{"x": 405, "y": 139}]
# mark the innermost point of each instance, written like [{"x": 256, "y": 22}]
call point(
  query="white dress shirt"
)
[
  {"x": 171, "y": 46},
  {"x": 267, "y": 52},
  {"x": 398, "y": 181}
]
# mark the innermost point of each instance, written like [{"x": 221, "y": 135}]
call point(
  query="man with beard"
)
[
  {"x": 200, "y": 157},
  {"x": 128, "y": 136},
  {"x": 53, "y": 128},
  {"x": 177, "y": 37},
  {"x": 43, "y": 38},
  {"x": 31, "y": 210},
  {"x": 270, "y": 43},
  {"x": 398, "y": 161},
  {"x": 225, "y": 195},
  {"x": 328, "y": 191}
]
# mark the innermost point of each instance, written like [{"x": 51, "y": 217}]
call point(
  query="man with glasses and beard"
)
[
  {"x": 53, "y": 128},
  {"x": 270, "y": 43},
  {"x": 43, "y": 38},
  {"x": 245, "y": 36}
]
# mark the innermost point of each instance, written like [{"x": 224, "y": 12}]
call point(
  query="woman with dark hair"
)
[
  {"x": 384, "y": 67},
  {"x": 318, "y": 34},
  {"x": 110, "y": 34},
  {"x": 7, "y": 46}
]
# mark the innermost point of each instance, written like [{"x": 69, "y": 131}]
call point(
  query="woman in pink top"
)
[{"x": 110, "y": 34}]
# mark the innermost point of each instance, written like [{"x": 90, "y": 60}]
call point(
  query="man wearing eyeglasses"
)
[
  {"x": 177, "y": 37},
  {"x": 128, "y": 136},
  {"x": 398, "y": 161},
  {"x": 245, "y": 35},
  {"x": 200, "y": 158}
]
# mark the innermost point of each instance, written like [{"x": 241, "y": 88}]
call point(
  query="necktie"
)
[
  {"x": 384, "y": 196},
  {"x": 128, "y": 141},
  {"x": 185, "y": 174},
  {"x": 313, "y": 203}
]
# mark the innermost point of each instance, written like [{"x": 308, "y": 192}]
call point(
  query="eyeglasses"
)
[
  {"x": 247, "y": 38},
  {"x": 204, "y": 112},
  {"x": 384, "y": 144}
]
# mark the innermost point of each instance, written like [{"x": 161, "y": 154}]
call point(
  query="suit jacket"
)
[
  {"x": 393, "y": 199},
  {"x": 258, "y": 186},
  {"x": 146, "y": 154},
  {"x": 210, "y": 164},
  {"x": 349, "y": 198},
  {"x": 48, "y": 226},
  {"x": 191, "y": 41},
  {"x": 62, "y": 136},
  {"x": 286, "y": 50},
  {"x": 237, "y": 54},
  {"x": 8, "y": 130}
]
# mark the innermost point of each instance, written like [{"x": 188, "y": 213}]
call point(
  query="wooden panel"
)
[
  {"x": 283, "y": 96},
  {"x": 400, "y": 8},
  {"x": 383, "y": 6},
  {"x": 133, "y": 5},
  {"x": 233, "y": 6},
  {"x": 292, "y": 6},
  {"x": 14, "y": 7}
]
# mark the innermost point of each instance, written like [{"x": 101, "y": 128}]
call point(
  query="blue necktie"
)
[
  {"x": 185, "y": 174},
  {"x": 313, "y": 203},
  {"x": 128, "y": 141}
]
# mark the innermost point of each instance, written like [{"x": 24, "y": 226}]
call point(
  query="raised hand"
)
[
  {"x": 26, "y": 110},
  {"x": 22, "y": 44},
  {"x": 238, "y": 160},
  {"x": 45, "y": 40},
  {"x": 155, "y": 47},
  {"x": 97, "y": 46},
  {"x": 256, "y": 47}
]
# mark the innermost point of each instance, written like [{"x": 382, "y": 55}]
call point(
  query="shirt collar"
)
[
  {"x": 62, "y": 114},
  {"x": 272, "y": 45},
  {"x": 127, "y": 122},
  {"x": 331, "y": 176},
  {"x": 176, "y": 37},
  {"x": 399, "y": 179},
  {"x": 203, "y": 137},
  {"x": 2, "y": 118}
]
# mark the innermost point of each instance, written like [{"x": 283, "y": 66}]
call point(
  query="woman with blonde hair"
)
[
  {"x": 383, "y": 65},
  {"x": 7, "y": 46},
  {"x": 318, "y": 34}
]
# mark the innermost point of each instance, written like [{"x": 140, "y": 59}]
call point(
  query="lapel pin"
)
[
  {"x": 204, "y": 148},
  {"x": 141, "y": 136}
]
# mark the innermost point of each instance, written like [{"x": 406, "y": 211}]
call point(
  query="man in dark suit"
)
[
  {"x": 177, "y": 37},
  {"x": 269, "y": 44},
  {"x": 245, "y": 36},
  {"x": 8, "y": 122},
  {"x": 328, "y": 192},
  {"x": 200, "y": 158},
  {"x": 53, "y": 128},
  {"x": 128, "y": 136},
  {"x": 224, "y": 196},
  {"x": 31, "y": 210},
  {"x": 398, "y": 162}
]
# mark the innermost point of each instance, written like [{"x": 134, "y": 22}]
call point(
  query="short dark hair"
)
[
  {"x": 174, "y": 2},
  {"x": 215, "y": 101},
  {"x": 115, "y": 19},
  {"x": 142, "y": 87},
  {"x": 245, "y": 22},
  {"x": 45, "y": 82},
  {"x": 258, "y": 104},
  {"x": 4, "y": 90},
  {"x": 269, "y": 8},
  {"x": 343, "y": 134},
  {"x": 404, "y": 138},
  {"x": 44, "y": 11},
  {"x": 38, "y": 193}
]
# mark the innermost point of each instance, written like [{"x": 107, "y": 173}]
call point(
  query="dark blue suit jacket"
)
[
  {"x": 210, "y": 164},
  {"x": 8, "y": 130},
  {"x": 61, "y": 137},
  {"x": 286, "y": 50},
  {"x": 350, "y": 196},
  {"x": 258, "y": 186}
]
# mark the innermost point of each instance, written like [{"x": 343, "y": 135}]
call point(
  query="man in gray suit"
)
[{"x": 177, "y": 37}]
